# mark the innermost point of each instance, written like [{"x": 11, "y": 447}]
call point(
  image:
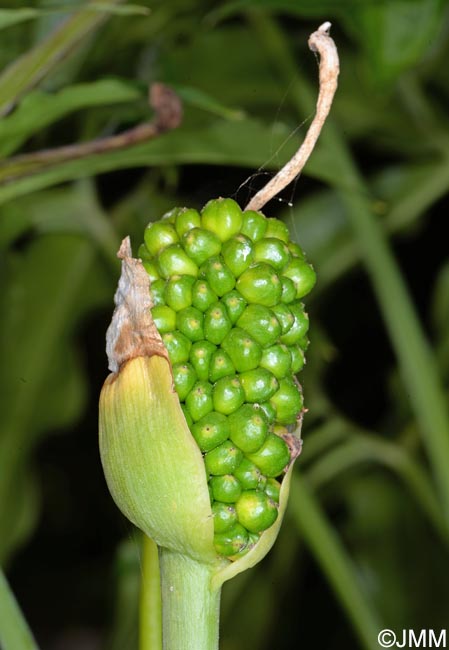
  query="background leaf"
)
[{"x": 365, "y": 544}]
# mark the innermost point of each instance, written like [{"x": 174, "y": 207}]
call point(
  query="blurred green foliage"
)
[{"x": 365, "y": 542}]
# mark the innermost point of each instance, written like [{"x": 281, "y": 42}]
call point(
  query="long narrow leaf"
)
[
  {"x": 14, "y": 631},
  {"x": 39, "y": 109},
  {"x": 29, "y": 69},
  {"x": 334, "y": 561},
  {"x": 10, "y": 17},
  {"x": 362, "y": 449}
]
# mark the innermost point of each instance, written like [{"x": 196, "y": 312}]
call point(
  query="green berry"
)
[
  {"x": 231, "y": 541},
  {"x": 159, "y": 235},
  {"x": 258, "y": 385},
  {"x": 300, "y": 325},
  {"x": 268, "y": 410},
  {"x": 200, "y": 244},
  {"x": 296, "y": 250},
  {"x": 186, "y": 219},
  {"x": 253, "y": 538},
  {"x": 303, "y": 343},
  {"x": 222, "y": 217},
  {"x": 224, "y": 516},
  {"x": 178, "y": 291},
  {"x": 199, "y": 400},
  {"x": 187, "y": 415},
  {"x": 151, "y": 268},
  {"x": 189, "y": 321},
  {"x": 302, "y": 274},
  {"x": 220, "y": 366},
  {"x": 243, "y": 350},
  {"x": 210, "y": 431},
  {"x": 250, "y": 476},
  {"x": 144, "y": 254},
  {"x": 228, "y": 395},
  {"x": 200, "y": 357},
  {"x": 157, "y": 292},
  {"x": 277, "y": 359},
  {"x": 272, "y": 457},
  {"x": 287, "y": 401},
  {"x": 223, "y": 459},
  {"x": 272, "y": 251},
  {"x": 235, "y": 304},
  {"x": 164, "y": 318},
  {"x": 277, "y": 229},
  {"x": 254, "y": 225},
  {"x": 216, "y": 323},
  {"x": 178, "y": 346},
  {"x": 284, "y": 316},
  {"x": 260, "y": 284},
  {"x": 184, "y": 378},
  {"x": 248, "y": 428},
  {"x": 225, "y": 488},
  {"x": 273, "y": 489},
  {"x": 218, "y": 275},
  {"x": 202, "y": 295},
  {"x": 261, "y": 324},
  {"x": 170, "y": 216},
  {"x": 256, "y": 511},
  {"x": 175, "y": 261},
  {"x": 237, "y": 254},
  {"x": 288, "y": 293},
  {"x": 297, "y": 357}
]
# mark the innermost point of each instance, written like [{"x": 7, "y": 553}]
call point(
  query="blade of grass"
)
[
  {"x": 416, "y": 361},
  {"x": 9, "y": 17},
  {"x": 150, "y": 615},
  {"x": 31, "y": 67},
  {"x": 432, "y": 181},
  {"x": 323, "y": 437},
  {"x": 371, "y": 449},
  {"x": 39, "y": 109},
  {"x": 14, "y": 631},
  {"x": 334, "y": 561}
]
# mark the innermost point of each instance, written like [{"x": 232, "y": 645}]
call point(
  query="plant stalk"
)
[
  {"x": 190, "y": 608},
  {"x": 14, "y": 631},
  {"x": 150, "y": 623}
]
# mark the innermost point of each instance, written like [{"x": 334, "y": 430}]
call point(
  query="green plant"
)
[
  {"x": 366, "y": 540},
  {"x": 153, "y": 468}
]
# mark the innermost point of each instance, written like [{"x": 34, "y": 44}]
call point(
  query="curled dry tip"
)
[
  {"x": 329, "y": 67},
  {"x": 325, "y": 27},
  {"x": 320, "y": 41}
]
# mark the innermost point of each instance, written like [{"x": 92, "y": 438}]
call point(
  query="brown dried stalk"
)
[
  {"x": 168, "y": 116},
  {"x": 329, "y": 67}
]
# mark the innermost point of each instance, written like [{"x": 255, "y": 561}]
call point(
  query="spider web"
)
[{"x": 253, "y": 183}]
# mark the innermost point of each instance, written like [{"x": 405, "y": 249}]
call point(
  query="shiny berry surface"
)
[{"x": 227, "y": 288}]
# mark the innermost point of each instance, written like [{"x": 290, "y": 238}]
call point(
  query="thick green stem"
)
[{"x": 190, "y": 608}]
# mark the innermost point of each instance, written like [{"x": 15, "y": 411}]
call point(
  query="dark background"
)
[{"x": 374, "y": 499}]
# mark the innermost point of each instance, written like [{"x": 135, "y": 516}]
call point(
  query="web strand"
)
[{"x": 329, "y": 68}]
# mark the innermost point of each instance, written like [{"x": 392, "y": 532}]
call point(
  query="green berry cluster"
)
[{"x": 226, "y": 287}]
